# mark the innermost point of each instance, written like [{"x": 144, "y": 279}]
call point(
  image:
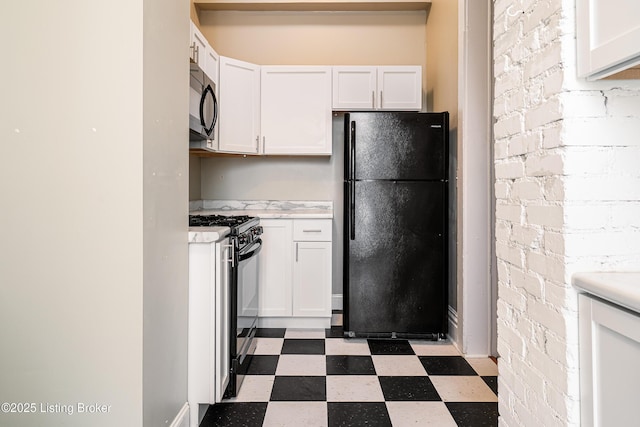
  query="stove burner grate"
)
[{"x": 218, "y": 220}]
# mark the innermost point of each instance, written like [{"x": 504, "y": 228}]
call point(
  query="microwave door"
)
[{"x": 208, "y": 111}]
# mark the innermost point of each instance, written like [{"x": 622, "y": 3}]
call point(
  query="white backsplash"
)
[{"x": 235, "y": 205}]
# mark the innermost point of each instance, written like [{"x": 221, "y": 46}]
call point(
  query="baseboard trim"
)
[
  {"x": 295, "y": 322},
  {"x": 182, "y": 419},
  {"x": 337, "y": 302}
]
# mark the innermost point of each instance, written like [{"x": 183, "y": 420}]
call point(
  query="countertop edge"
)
[
  {"x": 207, "y": 234},
  {"x": 621, "y": 288}
]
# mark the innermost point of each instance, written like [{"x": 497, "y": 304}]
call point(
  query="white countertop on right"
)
[{"x": 621, "y": 288}]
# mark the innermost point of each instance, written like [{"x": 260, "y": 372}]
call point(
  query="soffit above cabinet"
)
[{"x": 313, "y": 5}]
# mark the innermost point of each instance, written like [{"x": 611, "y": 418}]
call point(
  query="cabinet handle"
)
[
  {"x": 381, "y": 106},
  {"x": 373, "y": 99},
  {"x": 231, "y": 256},
  {"x": 257, "y": 143},
  {"x": 296, "y": 251},
  {"x": 264, "y": 140},
  {"x": 312, "y": 231},
  {"x": 196, "y": 52}
]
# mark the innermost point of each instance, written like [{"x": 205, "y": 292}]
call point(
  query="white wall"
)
[
  {"x": 474, "y": 187},
  {"x": 165, "y": 183},
  {"x": 566, "y": 156},
  {"x": 77, "y": 224}
]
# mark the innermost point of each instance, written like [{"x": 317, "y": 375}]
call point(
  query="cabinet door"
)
[
  {"x": 609, "y": 355},
  {"x": 275, "y": 268},
  {"x": 197, "y": 45},
  {"x": 239, "y": 106},
  {"x": 354, "y": 88},
  {"x": 296, "y": 110},
  {"x": 312, "y": 279},
  {"x": 399, "y": 88},
  {"x": 200, "y": 355},
  {"x": 607, "y": 36},
  {"x": 222, "y": 318},
  {"x": 212, "y": 65}
]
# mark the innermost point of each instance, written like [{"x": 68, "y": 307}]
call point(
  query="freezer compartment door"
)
[
  {"x": 395, "y": 266},
  {"x": 401, "y": 146}
]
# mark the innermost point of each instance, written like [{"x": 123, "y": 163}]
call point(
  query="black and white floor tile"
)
[{"x": 318, "y": 378}]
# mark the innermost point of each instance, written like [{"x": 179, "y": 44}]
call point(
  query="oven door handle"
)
[{"x": 245, "y": 254}]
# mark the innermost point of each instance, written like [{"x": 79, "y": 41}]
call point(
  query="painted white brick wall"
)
[{"x": 567, "y": 193}]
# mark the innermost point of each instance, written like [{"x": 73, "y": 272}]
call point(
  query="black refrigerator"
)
[{"x": 395, "y": 224}]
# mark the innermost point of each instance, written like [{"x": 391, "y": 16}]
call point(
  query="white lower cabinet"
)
[
  {"x": 609, "y": 356},
  {"x": 311, "y": 274},
  {"x": 209, "y": 326},
  {"x": 275, "y": 268},
  {"x": 295, "y": 273}
]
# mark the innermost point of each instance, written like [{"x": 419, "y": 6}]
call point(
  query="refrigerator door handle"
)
[
  {"x": 352, "y": 178},
  {"x": 352, "y": 174},
  {"x": 352, "y": 211}
]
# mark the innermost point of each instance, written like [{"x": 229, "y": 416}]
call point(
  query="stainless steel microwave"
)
[{"x": 203, "y": 110}]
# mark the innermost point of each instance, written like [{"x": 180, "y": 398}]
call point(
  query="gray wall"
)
[
  {"x": 93, "y": 265},
  {"x": 282, "y": 178}
]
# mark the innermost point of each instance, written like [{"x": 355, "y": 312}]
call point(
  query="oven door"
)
[{"x": 247, "y": 304}]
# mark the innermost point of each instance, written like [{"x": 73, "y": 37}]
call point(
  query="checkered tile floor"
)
[{"x": 318, "y": 378}]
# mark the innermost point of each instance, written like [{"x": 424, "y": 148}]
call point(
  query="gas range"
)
[{"x": 244, "y": 229}]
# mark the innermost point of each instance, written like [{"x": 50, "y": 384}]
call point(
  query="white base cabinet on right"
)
[
  {"x": 609, "y": 358},
  {"x": 295, "y": 273}
]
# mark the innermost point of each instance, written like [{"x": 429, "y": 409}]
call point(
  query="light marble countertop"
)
[
  {"x": 621, "y": 288},
  {"x": 207, "y": 234},
  {"x": 266, "y": 209}
]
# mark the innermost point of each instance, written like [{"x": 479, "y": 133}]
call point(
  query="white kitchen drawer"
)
[{"x": 312, "y": 230}]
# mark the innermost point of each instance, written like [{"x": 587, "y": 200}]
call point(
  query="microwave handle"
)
[{"x": 208, "y": 130}]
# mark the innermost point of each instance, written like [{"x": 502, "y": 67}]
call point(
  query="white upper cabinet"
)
[
  {"x": 608, "y": 36},
  {"x": 377, "y": 88},
  {"x": 354, "y": 88},
  {"x": 197, "y": 45},
  {"x": 201, "y": 52},
  {"x": 400, "y": 88},
  {"x": 239, "y": 106},
  {"x": 295, "y": 110},
  {"x": 212, "y": 65}
]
